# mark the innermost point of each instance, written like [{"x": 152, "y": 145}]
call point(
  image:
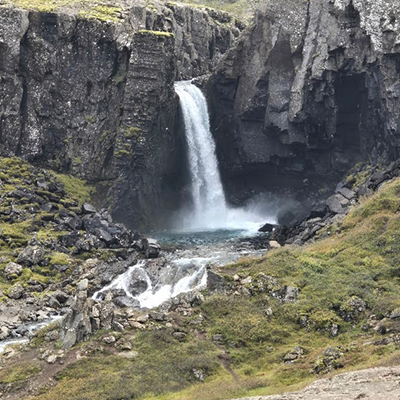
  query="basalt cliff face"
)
[
  {"x": 307, "y": 92},
  {"x": 95, "y": 98}
]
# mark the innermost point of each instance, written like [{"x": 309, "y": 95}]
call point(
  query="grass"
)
[
  {"x": 78, "y": 189},
  {"x": 17, "y": 232},
  {"x": 163, "y": 364},
  {"x": 156, "y": 33},
  {"x": 361, "y": 260},
  {"x": 18, "y": 373}
]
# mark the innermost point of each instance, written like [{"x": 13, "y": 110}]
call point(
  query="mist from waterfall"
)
[{"x": 209, "y": 210}]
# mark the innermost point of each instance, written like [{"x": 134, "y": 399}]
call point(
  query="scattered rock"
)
[
  {"x": 198, "y": 374},
  {"x": 152, "y": 248},
  {"x": 12, "y": 270},
  {"x": 179, "y": 336},
  {"x": 88, "y": 209},
  {"x": 31, "y": 255},
  {"x": 330, "y": 359},
  {"x": 109, "y": 339},
  {"x": 4, "y": 332},
  {"x": 16, "y": 292},
  {"x": 294, "y": 355},
  {"x": 273, "y": 244},
  {"x": 352, "y": 309}
]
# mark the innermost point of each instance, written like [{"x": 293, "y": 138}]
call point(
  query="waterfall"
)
[{"x": 209, "y": 204}]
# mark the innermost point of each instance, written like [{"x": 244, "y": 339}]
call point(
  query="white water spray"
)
[
  {"x": 210, "y": 210},
  {"x": 175, "y": 280}
]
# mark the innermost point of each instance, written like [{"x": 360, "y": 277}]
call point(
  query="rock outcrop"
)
[
  {"x": 310, "y": 90},
  {"x": 375, "y": 383},
  {"x": 90, "y": 92}
]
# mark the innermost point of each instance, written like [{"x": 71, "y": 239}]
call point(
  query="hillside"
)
[{"x": 269, "y": 324}]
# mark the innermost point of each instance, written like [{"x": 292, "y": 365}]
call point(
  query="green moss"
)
[
  {"x": 76, "y": 188},
  {"x": 156, "y": 33},
  {"x": 59, "y": 259},
  {"x": 90, "y": 119},
  {"x": 18, "y": 373},
  {"x": 102, "y": 13},
  {"x": 132, "y": 132},
  {"x": 39, "y": 337}
]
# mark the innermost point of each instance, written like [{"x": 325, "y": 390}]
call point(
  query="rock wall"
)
[
  {"x": 95, "y": 98},
  {"x": 307, "y": 92}
]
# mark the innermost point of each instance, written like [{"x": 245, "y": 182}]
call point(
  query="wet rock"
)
[
  {"x": 152, "y": 248},
  {"x": 138, "y": 282},
  {"x": 215, "y": 282},
  {"x": 31, "y": 255},
  {"x": 126, "y": 302},
  {"x": 267, "y": 228},
  {"x": 12, "y": 270}
]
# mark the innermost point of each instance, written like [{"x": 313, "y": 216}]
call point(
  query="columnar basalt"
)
[
  {"x": 95, "y": 98},
  {"x": 310, "y": 90}
]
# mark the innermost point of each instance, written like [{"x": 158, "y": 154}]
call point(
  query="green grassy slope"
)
[{"x": 358, "y": 264}]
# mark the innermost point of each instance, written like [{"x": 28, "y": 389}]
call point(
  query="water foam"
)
[{"x": 210, "y": 210}]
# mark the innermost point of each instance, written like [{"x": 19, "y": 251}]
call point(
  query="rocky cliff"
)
[
  {"x": 310, "y": 90},
  {"x": 90, "y": 92}
]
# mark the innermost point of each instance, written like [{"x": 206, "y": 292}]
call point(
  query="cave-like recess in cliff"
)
[{"x": 351, "y": 100}]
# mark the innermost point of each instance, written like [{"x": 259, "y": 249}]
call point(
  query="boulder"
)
[
  {"x": 337, "y": 203},
  {"x": 293, "y": 355},
  {"x": 352, "y": 309},
  {"x": 152, "y": 248},
  {"x": 267, "y": 228},
  {"x": 126, "y": 302},
  {"x": 330, "y": 359},
  {"x": 4, "y": 333},
  {"x": 88, "y": 209},
  {"x": 349, "y": 194},
  {"x": 16, "y": 292},
  {"x": 273, "y": 244},
  {"x": 31, "y": 255},
  {"x": 12, "y": 270}
]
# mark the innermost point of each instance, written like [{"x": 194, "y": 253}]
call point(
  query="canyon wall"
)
[
  {"x": 308, "y": 91},
  {"x": 95, "y": 98}
]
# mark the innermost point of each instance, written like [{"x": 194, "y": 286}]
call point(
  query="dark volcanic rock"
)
[
  {"x": 96, "y": 98},
  {"x": 307, "y": 92}
]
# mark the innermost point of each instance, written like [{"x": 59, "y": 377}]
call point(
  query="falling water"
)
[{"x": 210, "y": 209}]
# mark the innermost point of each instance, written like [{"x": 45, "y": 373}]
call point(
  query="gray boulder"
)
[
  {"x": 31, "y": 255},
  {"x": 12, "y": 270}
]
